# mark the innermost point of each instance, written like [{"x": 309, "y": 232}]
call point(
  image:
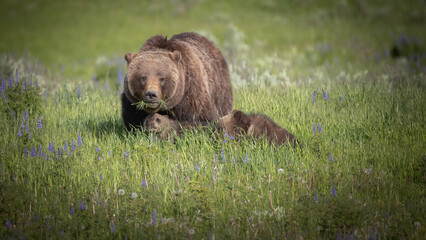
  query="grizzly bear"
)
[
  {"x": 185, "y": 77},
  {"x": 238, "y": 123}
]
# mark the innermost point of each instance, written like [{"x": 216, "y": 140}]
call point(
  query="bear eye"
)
[
  {"x": 143, "y": 79},
  {"x": 162, "y": 80},
  {"x": 157, "y": 120}
]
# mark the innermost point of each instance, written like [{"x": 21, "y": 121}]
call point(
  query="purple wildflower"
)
[
  {"x": 109, "y": 153},
  {"x": 331, "y": 158},
  {"x": 101, "y": 177},
  {"x": 343, "y": 97},
  {"x": 10, "y": 82},
  {"x": 339, "y": 235},
  {"x": 45, "y": 93},
  {"x": 12, "y": 113},
  {"x": 65, "y": 146},
  {"x": 82, "y": 206},
  {"x": 39, "y": 126},
  {"x": 324, "y": 94},
  {"x": 26, "y": 115},
  {"x": 19, "y": 132},
  {"x": 143, "y": 183},
  {"x": 319, "y": 128},
  {"x": 313, "y": 96},
  {"x": 79, "y": 92},
  {"x": 79, "y": 141},
  {"x": 71, "y": 211},
  {"x": 73, "y": 145},
  {"x": 27, "y": 127},
  {"x": 371, "y": 237},
  {"x": 17, "y": 76},
  {"x": 97, "y": 149},
  {"x": 316, "y": 197},
  {"x": 222, "y": 153},
  {"x": 113, "y": 228},
  {"x": 333, "y": 191},
  {"x": 246, "y": 159},
  {"x": 120, "y": 76},
  {"x": 315, "y": 128},
  {"x": 126, "y": 154},
  {"x": 9, "y": 224},
  {"x": 154, "y": 218},
  {"x": 197, "y": 167},
  {"x": 231, "y": 137},
  {"x": 25, "y": 152},
  {"x": 33, "y": 152},
  {"x": 51, "y": 147}
]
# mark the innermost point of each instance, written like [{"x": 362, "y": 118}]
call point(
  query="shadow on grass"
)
[{"x": 109, "y": 127}]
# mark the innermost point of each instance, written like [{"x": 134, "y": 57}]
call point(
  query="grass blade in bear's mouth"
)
[{"x": 142, "y": 105}]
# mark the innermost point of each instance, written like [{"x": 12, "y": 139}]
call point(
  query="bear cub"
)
[
  {"x": 166, "y": 128},
  {"x": 238, "y": 123},
  {"x": 162, "y": 125}
]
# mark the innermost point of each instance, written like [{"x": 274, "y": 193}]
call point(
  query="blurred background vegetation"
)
[{"x": 83, "y": 39}]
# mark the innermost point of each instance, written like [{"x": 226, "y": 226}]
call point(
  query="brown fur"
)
[
  {"x": 162, "y": 125},
  {"x": 188, "y": 75},
  {"x": 238, "y": 123},
  {"x": 165, "y": 127}
]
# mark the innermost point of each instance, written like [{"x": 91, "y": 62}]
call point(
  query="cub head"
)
[
  {"x": 154, "y": 80},
  {"x": 157, "y": 122},
  {"x": 235, "y": 123},
  {"x": 163, "y": 126}
]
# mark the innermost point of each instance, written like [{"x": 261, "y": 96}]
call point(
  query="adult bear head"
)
[{"x": 155, "y": 80}]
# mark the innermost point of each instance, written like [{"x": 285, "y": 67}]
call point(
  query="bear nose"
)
[{"x": 151, "y": 96}]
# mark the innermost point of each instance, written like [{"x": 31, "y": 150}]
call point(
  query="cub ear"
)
[
  {"x": 175, "y": 56},
  {"x": 129, "y": 57},
  {"x": 241, "y": 119},
  {"x": 238, "y": 115}
]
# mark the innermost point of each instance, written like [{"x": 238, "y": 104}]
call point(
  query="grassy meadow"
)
[{"x": 347, "y": 78}]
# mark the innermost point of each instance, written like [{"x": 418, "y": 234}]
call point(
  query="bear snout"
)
[{"x": 151, "y": 96}]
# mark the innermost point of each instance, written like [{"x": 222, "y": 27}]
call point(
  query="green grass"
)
[
  {"x": 375, "y": 136},
  {"x": 363, "y": 175}
]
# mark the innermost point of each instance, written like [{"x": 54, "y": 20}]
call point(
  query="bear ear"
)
[
  {"x": 129, "y": 57},
  {"x": 239, "y": 116},
  {"x": 175, "y": 56}
]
